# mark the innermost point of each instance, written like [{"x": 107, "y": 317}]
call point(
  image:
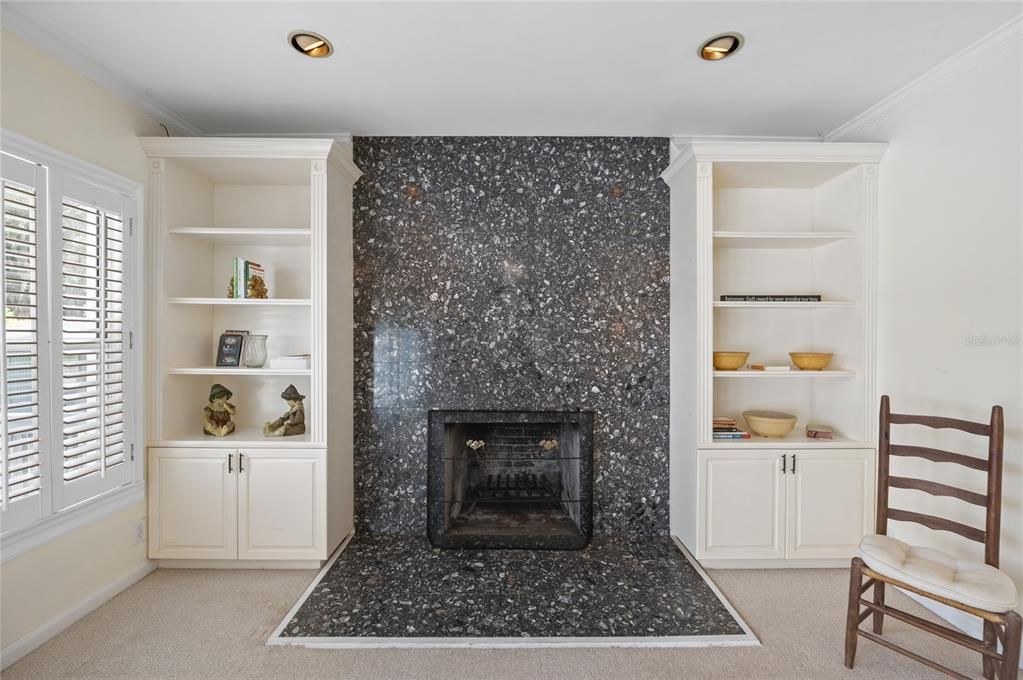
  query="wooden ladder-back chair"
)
[{"x": 973, "y": 587}]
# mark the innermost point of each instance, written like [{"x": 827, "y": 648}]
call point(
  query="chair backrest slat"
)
[
  {"x": 940, "y": 423},
  {"x": 936, "y": 489},
  {"x": 992, "y": 500},
  {"x": 939, "y": 523},
  {"x": 938, "y": 456}
]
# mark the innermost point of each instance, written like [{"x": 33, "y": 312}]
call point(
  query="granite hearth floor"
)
[{"x": 399, "y": 587}]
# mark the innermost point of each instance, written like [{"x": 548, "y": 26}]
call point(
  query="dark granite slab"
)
[
  {"x": 511, "y": 273},
  {"x": 387, "y": 586}
]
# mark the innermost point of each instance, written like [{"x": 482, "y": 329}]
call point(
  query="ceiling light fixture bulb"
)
[
  {"x": 311, "y": 44},
  {"x": 721, "y": 46}
]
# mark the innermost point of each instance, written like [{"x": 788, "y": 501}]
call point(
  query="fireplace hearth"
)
[{"x": 510, "y": 479}]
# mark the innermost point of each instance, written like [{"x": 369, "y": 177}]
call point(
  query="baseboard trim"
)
[
  {"x": 237, "y": 564},
  {"x": 968, "y": 623},
  {"x": 58, "y": 624}
]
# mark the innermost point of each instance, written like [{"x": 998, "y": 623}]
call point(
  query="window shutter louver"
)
[
  {"x": 21, "y": 394},
  {"x": 92, "y": 405}
]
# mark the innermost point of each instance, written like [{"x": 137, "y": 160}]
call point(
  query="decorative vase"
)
[{"x": 254, "y": 351}]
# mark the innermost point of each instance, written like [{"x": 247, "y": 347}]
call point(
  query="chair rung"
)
[
  {"x": 866, "y": 586},
  {"x": 912, "y": 655},
  {"x": 865, "y": 614},
  {"x": 933, "y": 628}
]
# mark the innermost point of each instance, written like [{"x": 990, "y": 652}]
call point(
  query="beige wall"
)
[
  {"x": 42, "y": 99},
  {"x": 951, "y": 292}
]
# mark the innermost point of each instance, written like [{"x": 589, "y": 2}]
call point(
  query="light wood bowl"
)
[
  {"x": 730, "y": 361},
  {"x": 772, "y": 424},
  {"x": 811, "y": 361}
]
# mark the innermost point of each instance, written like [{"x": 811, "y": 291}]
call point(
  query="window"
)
[{"x": 69, "y": 422}]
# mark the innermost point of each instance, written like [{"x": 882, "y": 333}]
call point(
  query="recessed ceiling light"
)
[
  {"x": 721, "y": 46},
  {"x": 311, "y": 44}
]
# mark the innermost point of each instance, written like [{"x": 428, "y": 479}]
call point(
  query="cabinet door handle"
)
[
  {"x": 241, "y": 458},
  {"x": 793, "y": 463},
  {"x": 229, "y": 457},
  {"x": 784, "y": 456}
]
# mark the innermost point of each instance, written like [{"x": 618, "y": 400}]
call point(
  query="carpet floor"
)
[{"x": 213, "y": 625}]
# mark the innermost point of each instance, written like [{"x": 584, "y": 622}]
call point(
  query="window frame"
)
[{"x": 56, "y": 520}]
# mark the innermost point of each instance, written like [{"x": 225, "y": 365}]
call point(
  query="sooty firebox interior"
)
[{"x": 510, "y": 479}]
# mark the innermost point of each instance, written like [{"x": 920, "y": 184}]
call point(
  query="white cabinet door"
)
[
  {"x": 742, "y": 498},
  {"x": 193, "y": 504},
  {"x": 830, "y": 502},
  {"x": 282, "y": 504}
]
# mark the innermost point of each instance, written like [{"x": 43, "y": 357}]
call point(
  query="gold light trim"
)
[
  {"x": 721, "y": 46},
  {"x": 311, "y": 44}
]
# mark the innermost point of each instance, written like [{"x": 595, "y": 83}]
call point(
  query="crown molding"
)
[
  {"x": 13, "y": 20},
  {"x": 681, "y": 140},
  {"x": 342, "y": 138},
  {"x": 985, "y": 48}
]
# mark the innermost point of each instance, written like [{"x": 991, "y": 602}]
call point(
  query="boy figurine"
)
[
  {"x": 292, "y": 422},
  {"x": 217, "y": 420}
]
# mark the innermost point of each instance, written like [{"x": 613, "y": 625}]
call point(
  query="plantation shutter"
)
[
  {"x": 93, "y": 342},
  {"x": 23, "y": 404}
]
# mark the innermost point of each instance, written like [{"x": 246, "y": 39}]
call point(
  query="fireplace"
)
[{"x": 510, "y": 479}]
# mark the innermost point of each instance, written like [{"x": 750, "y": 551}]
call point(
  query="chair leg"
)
[
  {"x": 991, "y": 642},
  {"x": 1010, "y": 651},
  {"x": 852, "y": 615},
  {"x": 878, "y": 599}
]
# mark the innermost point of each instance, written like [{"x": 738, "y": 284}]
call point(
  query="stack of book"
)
[
  {"x": 726, "y": 428},
  {"x": 768, "y": 367},
  {"x": 818, "y": 432},
  {"x": 249, "y": 280}
]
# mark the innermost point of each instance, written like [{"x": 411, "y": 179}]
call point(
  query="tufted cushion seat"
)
[{"x": 974, "y": 584}]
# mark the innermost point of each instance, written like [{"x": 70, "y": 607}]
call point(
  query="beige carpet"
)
[{"x": 212, "y": 625}]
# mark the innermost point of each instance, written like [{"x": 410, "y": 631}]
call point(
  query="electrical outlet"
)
[{"x": 138, "y": 532}]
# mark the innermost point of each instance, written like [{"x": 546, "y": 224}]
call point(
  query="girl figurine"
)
[
  {"x": 292, "y": 422},
  {"x": 217, "y": 420}
]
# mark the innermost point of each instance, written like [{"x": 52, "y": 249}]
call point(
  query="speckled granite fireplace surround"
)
[
  {"x": 511, "y": 273},
  {"x": 499, "y": 274}
]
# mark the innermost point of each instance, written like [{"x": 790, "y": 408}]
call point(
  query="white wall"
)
[
  {"x": 951, "y": 287},
  {"x": 44, "y": 100}
]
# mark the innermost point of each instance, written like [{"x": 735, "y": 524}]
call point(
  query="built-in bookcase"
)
[
  {"x": 286, "y": 204},
  {"x": 768, "y": 219}
]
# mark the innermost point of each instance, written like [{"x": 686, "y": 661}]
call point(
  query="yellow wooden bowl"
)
[
  {"x": 730, "y": 361},
  {"x": 811, "y": 361},
  {"x": 769, "y": 423}
]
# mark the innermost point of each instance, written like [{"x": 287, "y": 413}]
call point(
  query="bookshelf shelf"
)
[
  {"x": 278, "y": 302},
  {"x": 790, "y": 375},
  {"x": 782, "y": 240},
  {"x": 247, "y": 235},
  {"x": 824, "y": 304},
  {"x": 794, "y": 440},
  {"x": 250, "y": 437},
  {"x": 240, "y": 370}
]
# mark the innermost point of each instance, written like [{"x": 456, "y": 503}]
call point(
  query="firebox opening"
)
[{"x": 511, "y": 484}]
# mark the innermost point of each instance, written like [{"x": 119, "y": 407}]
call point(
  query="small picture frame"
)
[{"x": 229, "y": 350}]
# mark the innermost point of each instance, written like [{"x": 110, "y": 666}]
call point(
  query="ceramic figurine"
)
[
  {"x": 292, "y": 422},
  {"x": 217, "y": 420}
]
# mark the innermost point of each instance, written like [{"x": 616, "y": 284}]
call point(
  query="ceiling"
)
[{"x": 514, "y": 68}]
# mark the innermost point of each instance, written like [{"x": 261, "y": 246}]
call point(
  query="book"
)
[
  {"x": 732, "y": 435},
  {"x": 818, "y": 432},
  {"x": 771, "y": 298},
  {"x": 766, "y": 367},
  {"x": 255, "y": 281},
  {"x": 229, "y": 349},
  {"x": 291, "y": 362}
]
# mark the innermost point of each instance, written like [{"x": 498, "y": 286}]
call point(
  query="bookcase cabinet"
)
[
  {"x": 763, "y": 219},
  {"x": 286, "y": 204}
]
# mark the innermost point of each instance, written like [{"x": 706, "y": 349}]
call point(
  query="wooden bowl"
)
[
  {"x": 769, "y": 423},
  {"x": 811, "y": 361},
  {"x": 730, "y": 361}
]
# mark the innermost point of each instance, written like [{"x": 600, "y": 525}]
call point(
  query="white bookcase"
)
[
  {"x": 287, "y": 204},
  {"x": 773, "y": 218}
]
